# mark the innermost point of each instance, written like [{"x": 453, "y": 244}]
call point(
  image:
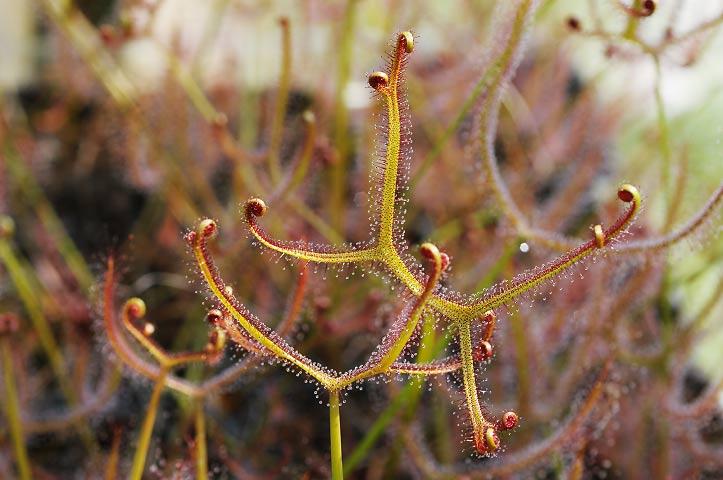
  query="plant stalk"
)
[
  {"x": 201, "y": 455},
  {"x": 337, "y": 470},
  {"x": 12, "y": 411},
  {"x": 144, "y": 440}
]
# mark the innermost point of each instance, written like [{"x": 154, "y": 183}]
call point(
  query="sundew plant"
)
[{"x": 227, "y": 252}]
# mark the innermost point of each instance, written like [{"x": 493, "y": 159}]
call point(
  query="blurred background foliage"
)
[{"x": 125, "y": 122}]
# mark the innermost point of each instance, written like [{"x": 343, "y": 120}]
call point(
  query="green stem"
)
[
  {"x": 631, "y": 26},
  {"x": 144, "y": 440},
  {"x": 401, "y": 402},
  {"x": 12, "y": 411},
  {"x": 337, "y": 470},
  {"x": 479, "y": 423},
  {"x": 201, "y": 455}
]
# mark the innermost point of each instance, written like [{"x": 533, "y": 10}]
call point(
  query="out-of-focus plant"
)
[{"x": 592, "y": 352}]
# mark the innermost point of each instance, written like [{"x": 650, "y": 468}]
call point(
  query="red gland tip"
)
[
  {"x": 135, "y": 307},
  {"x": 509, "y": 421},
  {"x": 483, "y": 351},
  {"x": 207, "y": 228},
  {"x": 214, "y": 316},
  {"x": 648, "y": 7},
  {"x": 628, "y": 193},
  {"x": 256, "y": 207},
  {"x": 378, "y": 80},
  {"x": 406, "y": 40},
  {"x": 445, "y": 261},
  {"x": 574, "y": 24},
  {"x": 190, "y": 238}
]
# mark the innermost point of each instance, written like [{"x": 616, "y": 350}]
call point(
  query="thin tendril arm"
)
[
  {"x": 393, "y": 344},
  {"x": 439, "y": 367},
  {"x": 258, "y": 330},
  {"x": 481, "y": 352},
  {"x": 628, "y": 194},
  {"x": 284, "y": 328},
  {"x": 515, "y": 462},
  {"x": 714, "y": 201},
  {"x": 257, "y": 208},
  {"x": 135, "y": 309},
  {"x": 123, "y": 349},
  {"x": 431, "y": 253},
  {"x": 485, "y": 437},
  {"x": 389, "y": 86}
]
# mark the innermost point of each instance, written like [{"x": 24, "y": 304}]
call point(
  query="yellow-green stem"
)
[
  {"x": 12, "y": 412},
  {"x": 144, "y": 440},
  {"x": 337, "y": 470},
  {"x": 201, "y": 455},
  {"x": 470, "y": 382},
  {"x": 631, "y": 27}
]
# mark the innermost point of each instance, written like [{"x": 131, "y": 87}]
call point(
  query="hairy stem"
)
[{"x": 479, "y": 422}]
